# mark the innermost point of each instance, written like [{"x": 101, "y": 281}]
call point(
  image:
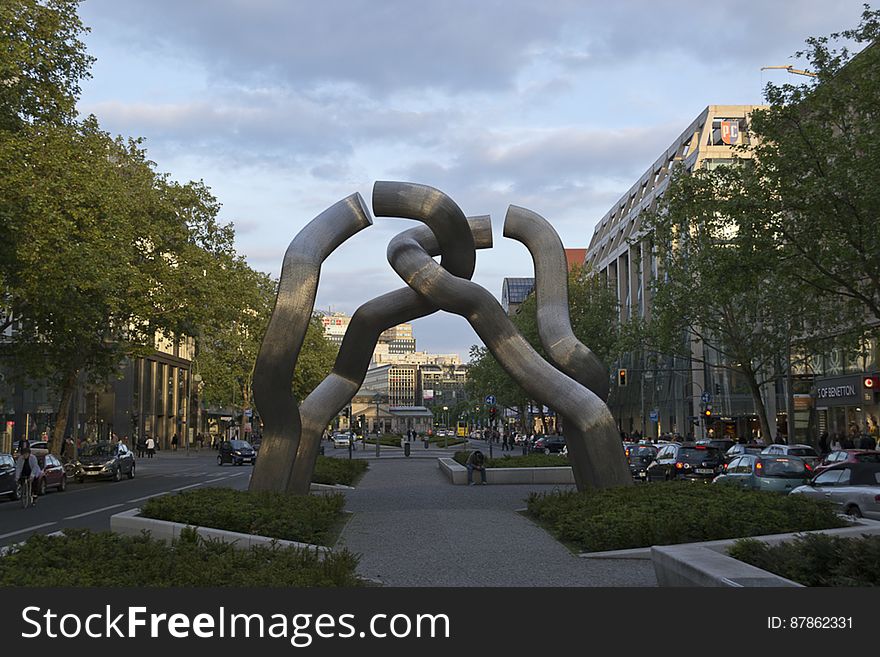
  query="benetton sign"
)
[
  {"x": 836, "y": 391},
  {"x": 839, "y": 390}
]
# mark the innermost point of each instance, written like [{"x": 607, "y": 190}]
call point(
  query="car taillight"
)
[
  {"x": 807, "y": 466},
  {"x": 725, "y": 466},
  {"x": 877, "y": 498},
  {"x": 679, "y": 466}
]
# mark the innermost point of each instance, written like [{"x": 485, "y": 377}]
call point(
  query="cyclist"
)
[{"x": 26, "y": 467}]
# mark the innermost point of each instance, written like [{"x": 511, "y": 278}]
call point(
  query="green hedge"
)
[
  {"x": 313, "y": 519},
  {"x": 528, "y": 461},
  {"x": 82, "y": 558},
  {"x": 672, "y": 512},
  {"x": 816, "y": 559},
  {"x": 329, "y": 470},
  {"x": 386, "y": 439}
]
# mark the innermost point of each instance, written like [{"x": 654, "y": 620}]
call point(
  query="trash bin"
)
[{"x": 406, "y": 448}]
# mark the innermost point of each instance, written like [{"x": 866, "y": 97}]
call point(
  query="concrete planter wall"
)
[
  {"x": 457, "y": 474},
  {"x": 130, "y": 523},
  {"x": 708, "y": 564}
]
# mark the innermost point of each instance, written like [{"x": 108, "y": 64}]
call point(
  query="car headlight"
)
[{"x": 237, "y": 453}]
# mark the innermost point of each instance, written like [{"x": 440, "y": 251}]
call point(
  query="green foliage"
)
[
  {"x": 304, "y": 518},
  {"x": 343, "y": 471},
  {"x": 817, "y": 160},
  {"x": 387, "y": 439},
  {"x": 84, "y": 559},
  {"x": 42, "y": 61},
  {"x": 667, "y": 513},
  {"x": 816, "y": 559},
  {"x": 528, "y": 461}
]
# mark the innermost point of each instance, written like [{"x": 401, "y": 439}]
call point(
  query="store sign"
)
[
  {"x": 730, "y": 132},
  {"x": 838, "y": 391}
]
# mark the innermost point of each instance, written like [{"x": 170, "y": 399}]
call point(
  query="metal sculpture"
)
[{"x": 576, "y": 390}]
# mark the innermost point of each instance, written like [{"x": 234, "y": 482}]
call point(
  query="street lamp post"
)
[
  {"x": 446, "y": 423},
  {"x": 377, "y": 399}
]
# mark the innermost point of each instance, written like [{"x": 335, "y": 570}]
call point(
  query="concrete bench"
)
[{"x": 457, "y": 474}]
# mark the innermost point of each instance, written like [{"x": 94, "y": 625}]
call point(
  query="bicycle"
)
[{"x": 26, "y": 492}]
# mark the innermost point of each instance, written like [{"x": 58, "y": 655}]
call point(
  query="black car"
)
[
  {"x": 104, "y": 460},
  {"x": 548, "y": 444},
  {"x": 236, "y": 452},
  {"x": 8, "y": 485},
  {"x": 639, "y": 458},
  {"x": 686, "y": 461}
]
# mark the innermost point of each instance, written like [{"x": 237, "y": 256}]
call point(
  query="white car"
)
[{"x": 341, "y": 440}]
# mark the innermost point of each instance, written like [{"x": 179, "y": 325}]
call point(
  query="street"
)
[{"x": 91, "y": 503}]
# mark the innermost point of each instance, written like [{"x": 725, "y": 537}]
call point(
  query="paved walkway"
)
[{"x": 413, "y": 528}]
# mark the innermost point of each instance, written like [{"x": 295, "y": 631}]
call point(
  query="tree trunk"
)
[
  {"x": 68, "y": 388},
  {"x": 755, "y": 389},
  {"x": 245, "y": 406}
]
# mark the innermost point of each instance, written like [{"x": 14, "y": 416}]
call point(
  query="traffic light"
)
[
  {"x": 708, "y": 412},
  {"x": 717, "y": 389},
  {"x": 492, "y": 412},
  {"x": 621, "y": 377}
]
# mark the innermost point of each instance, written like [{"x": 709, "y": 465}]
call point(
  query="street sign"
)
[
  {"x": 705, "y": 397},
  {"x": 490, "y": 400},
  {"x": 654, "y": 415}
]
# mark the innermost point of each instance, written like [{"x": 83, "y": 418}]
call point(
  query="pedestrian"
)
[
  {"x": 847, "y": 442},
  {"x": 476, "y": 461},
  {"x": 823, "y": 443},
  {"x": 150, "y": 446},
  {"x": 836, "y": 443},
  {"x": 174, "y": 440},
  {"x": 867, "y": 442}
]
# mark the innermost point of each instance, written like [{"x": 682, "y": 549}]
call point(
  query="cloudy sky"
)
[{"x": 284, "y": 107}]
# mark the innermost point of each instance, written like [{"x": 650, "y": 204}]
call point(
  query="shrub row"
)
[
  {"x": 816, "y": 559},
  {"x": 672, "y": 512},
  {"x": 82, "y": 558},
  {"x": 345, "y": 471},
  {"x": 305, "y": 518},
  {"x": 528, "y": 461}
]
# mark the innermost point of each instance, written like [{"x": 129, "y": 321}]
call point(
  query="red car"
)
[
  {"x": 53, "y": 474},
  {"x": 847, "y": 456}
]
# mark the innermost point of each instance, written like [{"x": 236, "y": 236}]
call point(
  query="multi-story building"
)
[
  {"x": 514, "y": 291},
  {"x": 442, "y": 385},
  {"x": 665, "y": 395},
  {"x": 396, "y": 340}
]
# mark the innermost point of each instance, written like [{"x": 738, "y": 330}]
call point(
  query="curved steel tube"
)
[
  {"x": 592, "y": 437},
  {"x": 551, "y": 290},
  {"x": 447, "y": 233},
  {"x": 273, "y": 372}
]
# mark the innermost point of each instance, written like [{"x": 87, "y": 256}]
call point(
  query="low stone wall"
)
[
  {"x": 708, "y": 564},
  {"x": 457, "y": 474},
  {"x": 130, "y": 523}
]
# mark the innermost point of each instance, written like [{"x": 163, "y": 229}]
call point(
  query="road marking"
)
[
  {"x": 26, "y": 529},
  {"x": 145, "y": 497},
  {"x": 201, "y": 483},
  {"x": 88, "y": 513}
]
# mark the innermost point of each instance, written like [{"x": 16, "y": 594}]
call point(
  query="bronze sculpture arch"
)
[{"x": 577, "y": 389}]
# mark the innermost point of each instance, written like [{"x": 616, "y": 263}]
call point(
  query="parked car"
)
[
  {"x": 723, "y": 444},
  {"x": 104, "y": 460},
  {"x": 236, "y": 452},
  {"x": 53, "y": 474},
  {"x": 847, "y": 456},
  {"x": 853, "y": 487},
  {"x": 8, "y": 485},
  {"x": 686, "y": 461},
  {"x": 341, "y": 439},
  {"x": 804, "y": 452},
  {"x": 740, "y": 450},
  {"x": 551, "y": 444},
  {"x": 765, "y": 472},
  {"x": 639, "y": 458}
]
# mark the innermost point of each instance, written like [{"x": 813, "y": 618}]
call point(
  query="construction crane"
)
[{"x": 792, "y": 69}]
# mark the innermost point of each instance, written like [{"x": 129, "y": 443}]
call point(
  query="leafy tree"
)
[
  {"x": 817, "y": 158},
  {"x": 101, "y": 255},
  {"x": 724, "y": 283},
  {"x": 42, "y": 61}
]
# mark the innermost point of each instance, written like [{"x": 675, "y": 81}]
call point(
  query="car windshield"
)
[
  {"x": 802, "y": 451},
  {"x": 99, "y": 449},
  {"x": 781, "y": 467},
  {"x": 697, "y": 454},
  {"x": 639, "y": 453},
  {"x": 240, "y": 444}
]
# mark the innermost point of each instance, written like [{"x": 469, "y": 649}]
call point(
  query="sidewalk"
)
[{"x": 412, "y": 528}]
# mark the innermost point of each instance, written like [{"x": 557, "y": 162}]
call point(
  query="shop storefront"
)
[{"x": 847, "y": 404}]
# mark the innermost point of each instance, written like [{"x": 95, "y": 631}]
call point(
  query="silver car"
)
[
  {"x": 804, "y": 452},
  {"x": 853, "y": 487},
  {"x": 341, "y": 440}
]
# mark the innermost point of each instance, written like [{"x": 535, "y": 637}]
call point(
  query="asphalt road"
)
[{"x": 90, "y": 504}]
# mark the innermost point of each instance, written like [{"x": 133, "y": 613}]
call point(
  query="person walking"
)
[
  {"x": 867, "y": 442},
  {"x": 141, "y": 446},
  {"x": 823, "y": 443},
  {"x": 174, "y": 441},
  {"x": 151, "y": 447}
]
